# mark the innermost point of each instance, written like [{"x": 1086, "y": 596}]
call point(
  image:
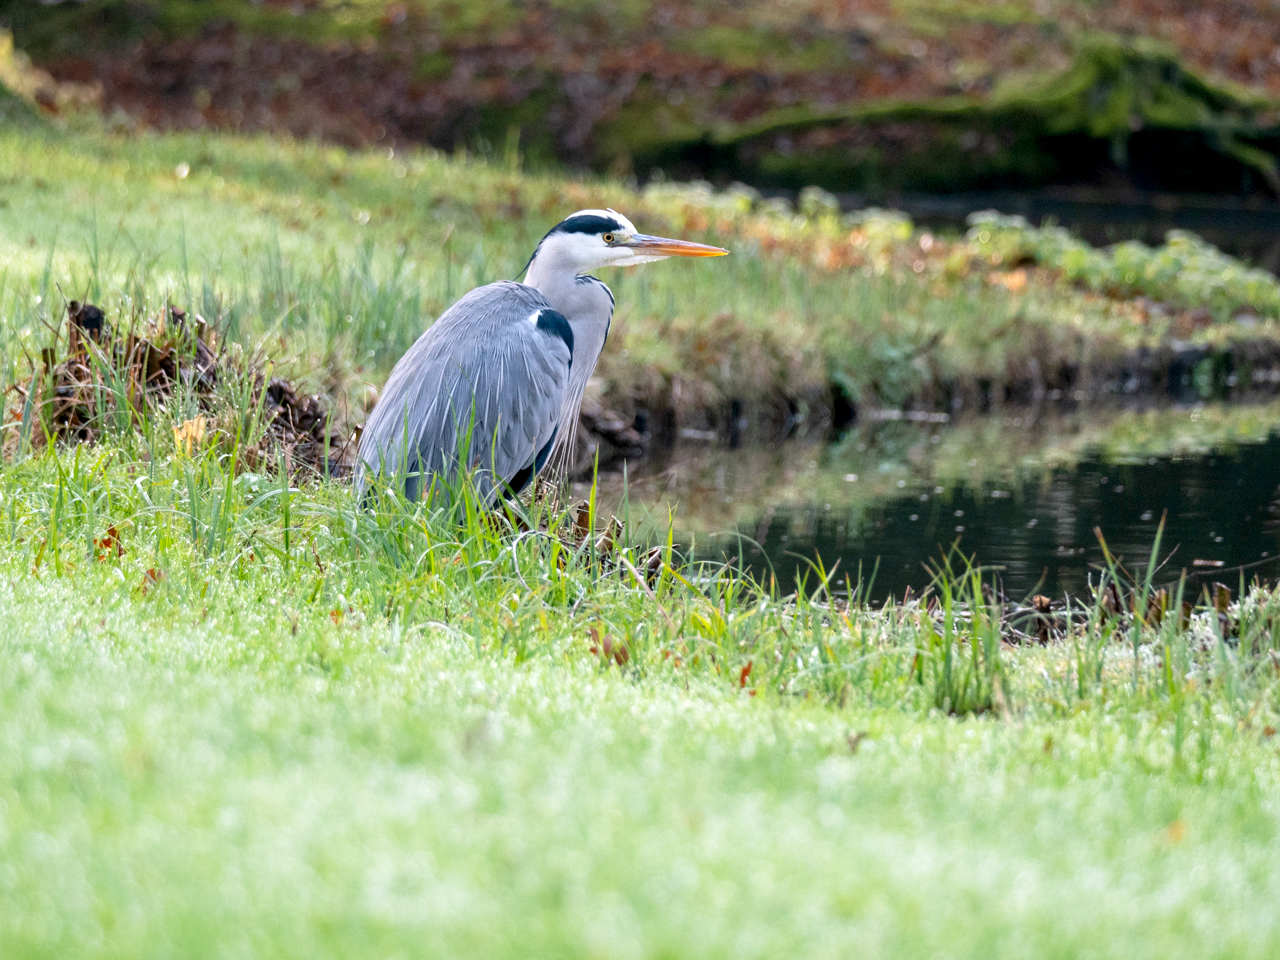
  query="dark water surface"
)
[
  {"x": 1024, "y": 499},
  {"x": 1221, "y": 509}
]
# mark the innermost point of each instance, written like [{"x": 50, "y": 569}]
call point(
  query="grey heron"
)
[{"x": 496, "y": 383}]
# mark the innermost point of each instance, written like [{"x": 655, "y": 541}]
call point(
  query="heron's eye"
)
[{"x": 608, "y": 238}]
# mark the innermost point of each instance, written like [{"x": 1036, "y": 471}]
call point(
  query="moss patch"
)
[{"x": 1115, "y": 106}]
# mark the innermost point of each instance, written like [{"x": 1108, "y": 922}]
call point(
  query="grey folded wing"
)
[{"x": 483, "y": 387}]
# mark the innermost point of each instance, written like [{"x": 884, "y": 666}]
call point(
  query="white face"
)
[
  {"x": 618, "y": 246},
  {"x": 591, "y": 251}
]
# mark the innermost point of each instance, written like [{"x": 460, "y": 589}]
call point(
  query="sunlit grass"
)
[
  {"x": 270, "y": 721},
  {"x": 243, "y": 714}
]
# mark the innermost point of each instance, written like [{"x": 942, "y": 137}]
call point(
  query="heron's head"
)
[{"x": 590, "y": 239}]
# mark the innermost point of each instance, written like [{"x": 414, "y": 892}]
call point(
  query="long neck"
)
[
  {"x": 555, "y": 281},
  {"x": 585, "y": 302},
  {"x": 588, "y": 306}
]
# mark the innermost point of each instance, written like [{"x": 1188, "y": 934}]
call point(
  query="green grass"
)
[
  {"x": 385, "y": 733},
  {"x": 275, "y": 724}
]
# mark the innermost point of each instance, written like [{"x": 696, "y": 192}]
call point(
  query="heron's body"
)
[{"x": 496, "y": 383}]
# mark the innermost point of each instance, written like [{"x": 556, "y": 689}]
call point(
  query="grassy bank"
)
[
  {"x": 333, "y": 262},
  {"x": 243, "y": 716},
  {"x": 246, "y": 716}
]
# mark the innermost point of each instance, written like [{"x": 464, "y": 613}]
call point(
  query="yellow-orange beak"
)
[{"x": 662, "y": 247}]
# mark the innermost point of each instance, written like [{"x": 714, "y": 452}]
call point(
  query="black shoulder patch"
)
[
  {"x": 555, "y": 324},
  {"x": 588, "y": 223}
]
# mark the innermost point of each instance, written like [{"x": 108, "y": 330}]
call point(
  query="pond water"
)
[{"x": 1020, "y": 494}]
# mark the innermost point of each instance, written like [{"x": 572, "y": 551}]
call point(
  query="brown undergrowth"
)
[
  {"x": 593, "y": 86},
  {"x": 103, "y": 378}
]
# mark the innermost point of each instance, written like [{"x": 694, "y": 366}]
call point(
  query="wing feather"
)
[{"x": 484, "y": 385}]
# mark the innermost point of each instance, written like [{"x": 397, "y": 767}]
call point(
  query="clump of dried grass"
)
[{"x": 103, "y": 378}]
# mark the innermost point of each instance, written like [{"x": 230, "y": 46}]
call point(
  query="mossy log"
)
[{"x": 1120, "y": 106}]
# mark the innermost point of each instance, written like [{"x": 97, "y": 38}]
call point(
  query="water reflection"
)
[
  {"x": 1220, "y": 510},
  {"x": 1023, "y": 497}
]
